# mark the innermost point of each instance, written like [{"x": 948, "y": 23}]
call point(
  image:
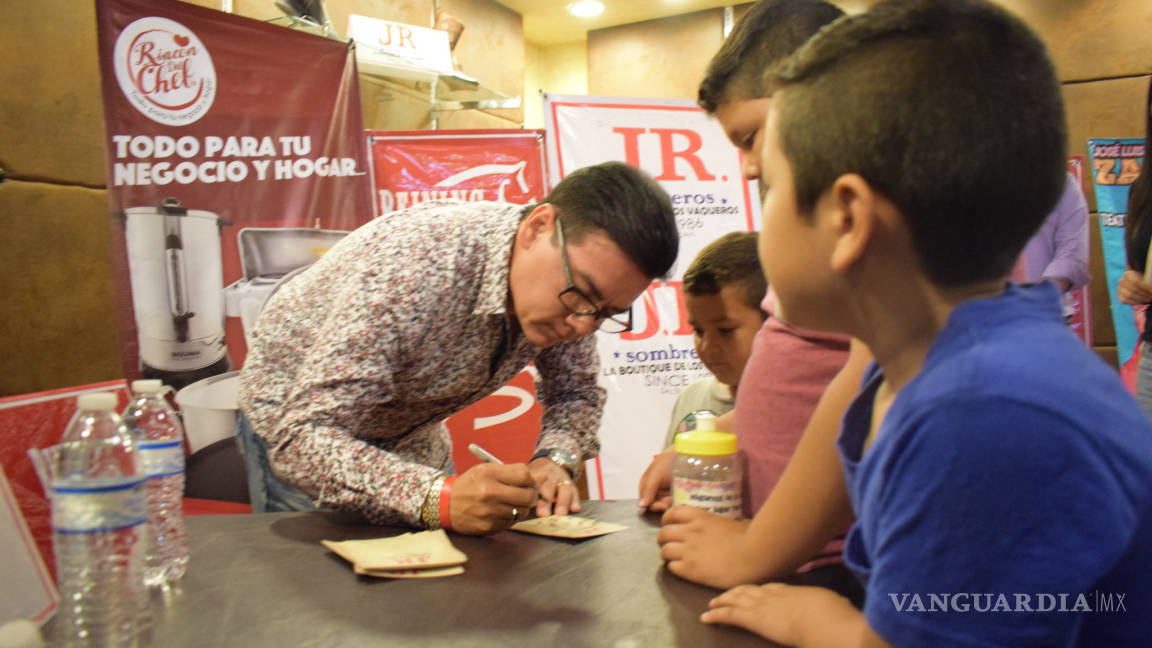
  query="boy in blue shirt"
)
[{"x": 1000, "y": 474}]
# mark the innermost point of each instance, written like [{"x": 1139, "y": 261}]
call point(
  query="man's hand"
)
[
  {"x": 656, "y": 483},
  {"x": 488, "y": 498},
  {"x": 792, "y": 615},
  {"x": 558, "y": 495},
  {"x": 1132, "y": 288},
  {"x": 704, "y": 547}
]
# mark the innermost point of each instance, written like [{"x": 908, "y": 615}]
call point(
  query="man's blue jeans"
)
[{"x": 267, "y": 492}]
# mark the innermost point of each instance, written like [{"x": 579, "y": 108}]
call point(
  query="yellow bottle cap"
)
[{"x": 705, "y": 442}]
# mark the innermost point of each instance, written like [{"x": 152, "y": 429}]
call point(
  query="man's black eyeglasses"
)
[{"x": 582, "y": 305}]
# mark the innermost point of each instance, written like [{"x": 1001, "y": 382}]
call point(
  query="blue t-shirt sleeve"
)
[{"x": 975, "y": 500}]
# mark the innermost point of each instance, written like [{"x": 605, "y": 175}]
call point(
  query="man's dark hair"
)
[
  {"x": 624, "y": 203},
  {"x": 951, "y": 109},
  {"x": 771, "y": 30},
  {"x": 730, "y": 260}
]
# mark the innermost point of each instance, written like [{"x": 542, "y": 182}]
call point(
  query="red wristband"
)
[{"x": 446, "y": 503}]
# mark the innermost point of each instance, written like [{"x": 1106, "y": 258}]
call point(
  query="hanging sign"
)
[
  {"x": 234, "y": 156},
  {"x": 1115, "y": 163}
]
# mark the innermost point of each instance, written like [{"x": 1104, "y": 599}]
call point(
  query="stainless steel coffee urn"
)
[{"x": 177, "y": 278}]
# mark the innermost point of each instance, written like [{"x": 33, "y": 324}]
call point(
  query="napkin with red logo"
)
[{"x": 427, "y": 554}]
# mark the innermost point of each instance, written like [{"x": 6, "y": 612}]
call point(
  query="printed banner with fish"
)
[
  {"x": 687, "y": 152},
  {"x": 410, "y": 167}
]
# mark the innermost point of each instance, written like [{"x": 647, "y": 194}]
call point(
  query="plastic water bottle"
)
[
  {"x": 98, "y": 514},
  {"x": 707, "y": 471},
  {"x": 160, "y": 435}
]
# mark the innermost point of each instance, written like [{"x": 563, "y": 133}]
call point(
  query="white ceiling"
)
[{"x": 547, "y": 22}]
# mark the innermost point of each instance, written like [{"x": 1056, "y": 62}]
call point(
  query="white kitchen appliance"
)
[{"x": 270, "y": 256}]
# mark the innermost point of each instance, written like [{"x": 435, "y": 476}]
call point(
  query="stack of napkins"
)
[
  {"x": 428, "y": 554},
  {"x": 567, "y": 526}
]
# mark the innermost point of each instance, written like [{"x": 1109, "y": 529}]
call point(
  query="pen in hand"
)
[
  {"x": 488, "y": 457},
  {"x": 483, "y": 454}
]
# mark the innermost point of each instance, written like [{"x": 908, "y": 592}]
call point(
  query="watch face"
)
[
  {"x": 563, "y": 457},
  {"x": 566, "y": 460}
]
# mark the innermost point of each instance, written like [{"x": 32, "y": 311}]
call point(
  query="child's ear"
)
[{"x": 853, "y": 205}]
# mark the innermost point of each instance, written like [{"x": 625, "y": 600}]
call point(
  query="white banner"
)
[{"x": 687, "y": 152}]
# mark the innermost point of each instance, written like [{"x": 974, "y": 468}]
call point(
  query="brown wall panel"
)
[
  {"x": 412, "y": 12},
  {"x": 491, "y": 49},
  {"x": 1108, "y": 108},
  {"x": 656, "y": 58},
  {"x": 1107, "y": 354},
  {"x": 387, "y": 108},
  {"x": 1091, "y": 39},
  {"x": 1102, "y": 332},
  {"x": 51, "y": 121},
  {"x": 465, "y": 119},
  {"x": 210, "y": 4},
  {"x": 57, "y": 324}
]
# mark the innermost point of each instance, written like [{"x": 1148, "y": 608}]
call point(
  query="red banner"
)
[
  {"x": 235, "y": 157},
  {"x": 411, "y": 167}
]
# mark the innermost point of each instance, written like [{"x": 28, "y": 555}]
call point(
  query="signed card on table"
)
[
  {"x": 567, "y": 526},
  {"x": 404, "y": 553},
  {"x": 431, "y": 572}
]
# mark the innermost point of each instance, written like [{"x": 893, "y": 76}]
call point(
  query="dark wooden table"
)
[{"x": 265, "y": 581}]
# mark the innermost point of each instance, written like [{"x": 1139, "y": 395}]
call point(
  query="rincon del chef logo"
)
[{"x": 165, "y": 71}]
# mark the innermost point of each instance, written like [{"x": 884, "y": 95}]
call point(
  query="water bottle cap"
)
[
  {"x": 21, "y": 633},
  {"x": 103, "y": 401},
  {"x": 147, "y": 386},
  {"x": 706, "y": 442}
]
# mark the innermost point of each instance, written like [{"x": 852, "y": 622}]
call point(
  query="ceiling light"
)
[{"x": 586, "y": 8}]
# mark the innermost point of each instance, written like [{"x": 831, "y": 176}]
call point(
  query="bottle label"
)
[
  {"x": 719, "y": 497},
  {"x": 162, "y": 458},
  {"x": 97, "y": 506}
]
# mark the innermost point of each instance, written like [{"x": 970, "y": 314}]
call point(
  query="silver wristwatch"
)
[{"x": 562, "y": 458}]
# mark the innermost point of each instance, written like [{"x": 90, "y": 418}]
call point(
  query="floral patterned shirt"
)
[{"x": 355, "y": 363}]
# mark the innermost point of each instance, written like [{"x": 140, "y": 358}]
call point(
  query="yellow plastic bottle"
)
[{"x": 707, "y": 472}]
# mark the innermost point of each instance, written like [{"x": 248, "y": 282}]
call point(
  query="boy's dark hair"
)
[
  {"x": 729, "y": 260},
  {"x": 771, "y": 30},
  {"x": 624, "y": 203},
  {"x": 951, "y": 109},
  {"x": 1139, "y": 218}
]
